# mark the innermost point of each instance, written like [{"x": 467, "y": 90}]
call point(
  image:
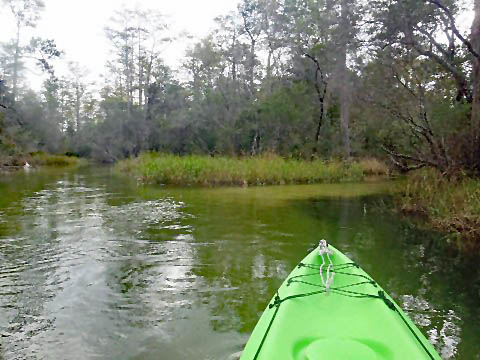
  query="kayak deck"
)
[{"x": 354, "y": 319}]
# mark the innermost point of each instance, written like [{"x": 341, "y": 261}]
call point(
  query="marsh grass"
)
[
  {"x": 450, "y": 205},
  {"x": 262, "y": 170},
  {"x": 43, "y": 159},
  {"x": 373, "y": 166}
]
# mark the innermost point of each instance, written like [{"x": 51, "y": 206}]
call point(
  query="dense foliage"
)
[{"x": 298, "y": 78}]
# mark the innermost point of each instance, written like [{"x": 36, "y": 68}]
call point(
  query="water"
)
[{"x": 94, "y": 267}]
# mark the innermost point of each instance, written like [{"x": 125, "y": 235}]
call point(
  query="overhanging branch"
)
[{"x": 448, "y": 13}]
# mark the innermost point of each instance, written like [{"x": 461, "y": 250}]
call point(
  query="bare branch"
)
[
  {"x": 467, "y": 43},
  {"x": 459, "y": 77},
  {"x": 408, "y": 157},
  {"x": 433, "y": 41},
  {"x": 320, "y": 94},
  {"x": 405, "y": 168},
  {"x": 395, "y": 75}
]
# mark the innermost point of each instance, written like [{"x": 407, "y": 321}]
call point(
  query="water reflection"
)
[{"x": 94, "y": 267}]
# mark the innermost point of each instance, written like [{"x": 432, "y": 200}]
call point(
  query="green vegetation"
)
[
  {"x": 449, "y": 205},
  {"x": 42, "y": 159},
  {"x": 39, "y": 159},
  {"x": 271, "y": 77},
  {"x": 260, "y": 170}
]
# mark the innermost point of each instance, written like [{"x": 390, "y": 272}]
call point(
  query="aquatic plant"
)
[{"x": 260, "y": 170}]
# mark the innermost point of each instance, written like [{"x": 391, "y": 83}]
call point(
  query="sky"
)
[{"x": 77, "y": 26}]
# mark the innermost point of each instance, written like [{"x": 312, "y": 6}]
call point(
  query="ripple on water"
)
[
  {"x": 76, "y": 259},
  {"x": 161, "y": 213},
  {"x": 445, "y": 340}
]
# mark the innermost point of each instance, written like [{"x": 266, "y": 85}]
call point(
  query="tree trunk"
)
[
  {"x": 344, "y": 83},
  {"x": 234, "y": 58},
  {"x": 77, "y": 106},
  {"x": 345, "y": 119},
  {"x": 140, "y": 86},
  {"x": 269, "y": 70},
  {"x": 15, "y": 62},
  {"x": 148, "y": 77},
  {"x": 252, "y": 67},
  {"x": 140, "y": 70},
  {"x": 320, "y": 122},
  {"x": 130, "y": 73},
  {"x": 255, "y": 144},
  {"x": 475, "y": 40}
]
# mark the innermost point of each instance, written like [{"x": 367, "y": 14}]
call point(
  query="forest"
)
[
  {"x": 297, "y": 78},
  {"x": 396, "y": 80}
]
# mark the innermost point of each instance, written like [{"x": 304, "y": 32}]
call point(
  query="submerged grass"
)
[
  {"x": 449, "y": 205},
  {"x": 261, "y": 170}
]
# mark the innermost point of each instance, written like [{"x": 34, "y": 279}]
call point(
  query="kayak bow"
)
[{"x": 329, "y": 308}]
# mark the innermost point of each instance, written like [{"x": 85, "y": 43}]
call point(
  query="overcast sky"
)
[{"x": 78, "y": 26}]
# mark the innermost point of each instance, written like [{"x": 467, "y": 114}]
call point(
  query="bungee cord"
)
[{"x": 327, "y": 271}]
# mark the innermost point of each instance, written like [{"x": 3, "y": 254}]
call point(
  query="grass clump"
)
[
  {"x": 43, "y": 159},
  {"x": 261, "y": 170},
  {"x": 374, "y": 167},
  {"x": 37, "y": 159},
  {"x": 450, "y": 205}
]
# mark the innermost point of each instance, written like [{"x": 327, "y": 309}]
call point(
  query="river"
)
[{"x": 93, "y": 266}]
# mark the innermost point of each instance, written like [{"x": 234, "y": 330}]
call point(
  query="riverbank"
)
[
  {"x": 447, "y": 205},
  {"x": 39, "y": 159},
  {"x": 154, "y": 168}
]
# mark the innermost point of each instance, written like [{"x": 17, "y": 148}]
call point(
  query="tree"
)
[
  {"x": 308, "y": 32},
  {"x": 426, "y": 31},
  {"x": 345, "y": 39},
  {"x": 272, "y": 21},
  {"x": 415, "y": 25},
  {"x": 475, "y": 50},
  {"x": 227, "y": 37},
  {"x": 251, "y": 17},
  {"x": 26, "y": 14}
]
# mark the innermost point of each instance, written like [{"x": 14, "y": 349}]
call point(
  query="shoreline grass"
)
[
  {"x": 448, "y": 205},
  {"x": 245, "y": 171},
  {"x": 49, "y": 160},
  {"x": 39, "y": 159}
]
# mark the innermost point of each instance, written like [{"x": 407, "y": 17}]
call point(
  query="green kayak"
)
[{"x": 329, "y": 308}]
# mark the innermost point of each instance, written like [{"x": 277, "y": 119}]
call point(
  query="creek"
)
[{"x": 94, "y": 266}]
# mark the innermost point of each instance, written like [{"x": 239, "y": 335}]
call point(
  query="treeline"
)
[{"x": 298, "y": 78}]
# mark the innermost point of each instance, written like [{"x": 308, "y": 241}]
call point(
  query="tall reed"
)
[
  {"x": 260, "y": 170},
  {"x": 450, "y": 205}
]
